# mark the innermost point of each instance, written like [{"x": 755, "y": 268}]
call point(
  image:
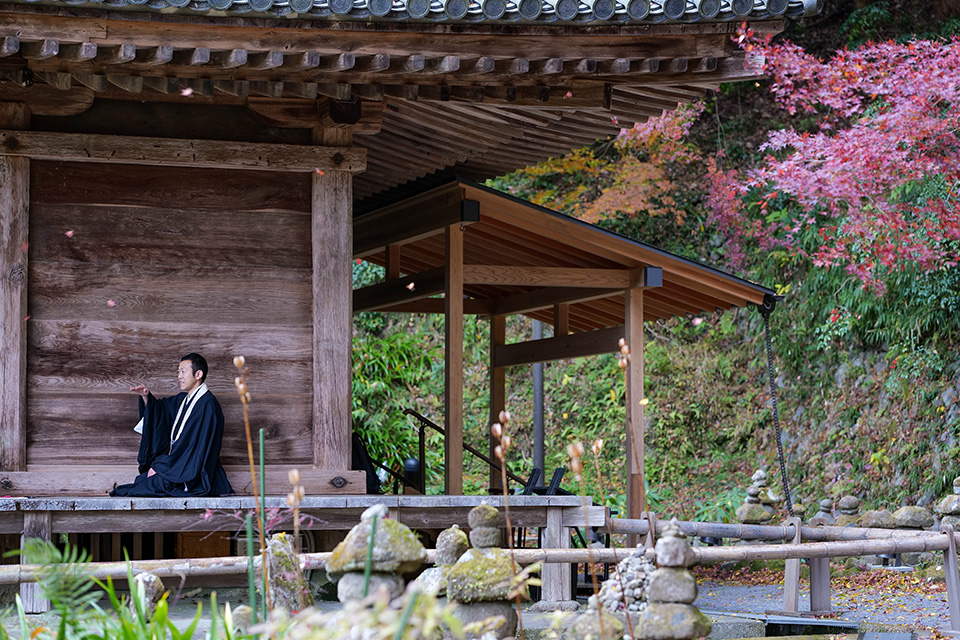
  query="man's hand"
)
[
  {"x": 151, "y": 472},
  {"x": 142, "y": 391}
]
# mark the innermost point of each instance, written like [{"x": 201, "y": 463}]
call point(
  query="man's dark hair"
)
[{"x": 198, "y": 362}]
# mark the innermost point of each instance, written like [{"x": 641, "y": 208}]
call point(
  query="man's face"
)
[{"x": 188, "y": 378}]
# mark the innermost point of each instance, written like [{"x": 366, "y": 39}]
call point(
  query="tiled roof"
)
[{"x": 593, "y": 12}]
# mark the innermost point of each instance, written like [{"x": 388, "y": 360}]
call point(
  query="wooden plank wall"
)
[{"x": 212, "y": 261}]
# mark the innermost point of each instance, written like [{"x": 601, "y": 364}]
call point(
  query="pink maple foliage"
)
[{"x": 887, "y": 118}]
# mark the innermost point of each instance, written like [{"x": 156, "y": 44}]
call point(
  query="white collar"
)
[{"x": 189, "y": 403}]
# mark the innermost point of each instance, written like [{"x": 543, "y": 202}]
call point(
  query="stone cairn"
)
[
  {"x": 849, "y": 507},
  {"x": 949, "y": 507},
  {"x": 626, "y": 588},
  {"x": 289, "y": 589},
  {"x": 396, "y": 550},
  {"x": 825, "y": 512},
  {"x": 482, "y": 580},
  {"x": 452, "y": 543},
  {"x": 670, "y": 614},
  {"x": 752, "y": 511},
  {"x": 769, "y": 500}
]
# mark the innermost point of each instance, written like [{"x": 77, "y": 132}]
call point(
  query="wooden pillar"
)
[
  {"x": 36, "y": 524},
  {"x": 633, "y": 333},
  {"x": 453, "y": 362},
  {"x": 332, "y": 307},
  {"x": 498, "y": 389},
  {"x": 14, "y": 227}
]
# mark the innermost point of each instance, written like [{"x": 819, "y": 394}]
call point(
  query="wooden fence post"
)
[
  {"x": 791, "y": 574},
  {"x": 952, "y": 579},
  {"x": 557, "y": 585},
  {"x": 36, "y": 524}
]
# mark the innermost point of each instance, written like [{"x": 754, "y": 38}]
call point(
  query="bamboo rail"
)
[
  {"x": 12, "y": 574},
  {"x": 763, "y": 531}
]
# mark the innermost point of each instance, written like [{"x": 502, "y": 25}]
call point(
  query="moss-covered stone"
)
[
  {"x": 481, "y": 575},
  {"x": 451, "y": 544},
  {"x": 483, "y": 515},
  {"x": 949, "y": 506},
  {"x": 588, "y": 626},
  {"x": 845, "y": 520},
  {"x": 881, "y": 519},
  {"x": 289, "y": 590},
  {"x": 748, "y": 513},
  {"x": 396, "y": 549},
  {"x": 662, "y": 621},
  {"x": 911, "y": 517}
]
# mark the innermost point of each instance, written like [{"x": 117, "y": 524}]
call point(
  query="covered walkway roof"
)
[
  {"x": 523, "y": 258},
  {"x": 491, "y": 254}
]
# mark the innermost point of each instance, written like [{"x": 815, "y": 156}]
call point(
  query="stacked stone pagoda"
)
[
  {"x": 396, "y": 551},
  {"x": 452, "y": 543},
  {"x": 482, "y": 580},
  {"x": 949, "y": 507},
  {"x": 670, "y": 614}
]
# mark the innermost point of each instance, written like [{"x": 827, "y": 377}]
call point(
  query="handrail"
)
[{"x": 426, "y": 422}]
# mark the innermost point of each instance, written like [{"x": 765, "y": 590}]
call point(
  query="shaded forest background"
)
[{"x": 868, "y": 376}]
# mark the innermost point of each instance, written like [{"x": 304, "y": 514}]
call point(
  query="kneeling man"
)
[{"x": 180, "y": 439}]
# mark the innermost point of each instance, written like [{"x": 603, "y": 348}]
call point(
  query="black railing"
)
[{"x": 422, "y": 474}]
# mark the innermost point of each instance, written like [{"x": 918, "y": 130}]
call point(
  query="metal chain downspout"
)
[{"x": 765, "y": 310}]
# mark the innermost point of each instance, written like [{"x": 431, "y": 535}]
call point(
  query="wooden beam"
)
[
  {"x": 436, "y": 306},
  {"x": 546, "y": 298},
  {"x": 453, "y": 362},
  {"x": 498, "y": 389},
  {"x": 14, "y": 228},
  {"x": 392, "y": 292},
  {"x": 82, "y": 147},
  {"x": 551, "y": 276},
  {"x": 332, "y": 318},
  {"x": 90, "y": 480},
  {"x": 575, "y": 345},
  {"x": 636, "y": 499},
  {"x": 376, "y": 230}
]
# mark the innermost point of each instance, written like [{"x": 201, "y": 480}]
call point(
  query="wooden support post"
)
[
  {"x": 36, "y": 524},
  {"x": 650, "y": 540},
  {"x": 14, "y": 225},
  {"x": 820, "y": 585},
  {"x": 453, "y": 362},
  {"x": 561, "y": 319},
  {"x": 791, "y": 574},
  {"x": 157, "y": 545},
  {"x": 116, "y": 555},
  {"x": 557, "y": 585},
  {"x": 393, "y": 262},
  {"x": 332, "y": 309},
  {"x": 498, "y": 389},
  {"x": 952, "y": 578},
  {"x": 633, "y": 334}
]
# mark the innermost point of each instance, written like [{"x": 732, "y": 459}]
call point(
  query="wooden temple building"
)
[{"x": 200, "y": 175}]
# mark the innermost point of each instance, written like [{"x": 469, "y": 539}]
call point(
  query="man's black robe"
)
[{"x": 191, "y": 465}]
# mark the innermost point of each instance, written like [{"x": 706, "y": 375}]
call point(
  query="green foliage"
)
[
  {"x": 65, "y": 581},
  {"x": 389, "y": 373},
  {"x": 866, "y": 23}
]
